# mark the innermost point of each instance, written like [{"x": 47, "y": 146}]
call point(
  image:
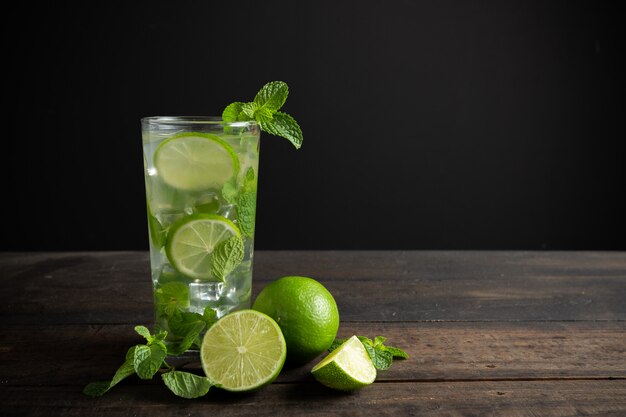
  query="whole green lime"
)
[{"x": 305, "y": 311}]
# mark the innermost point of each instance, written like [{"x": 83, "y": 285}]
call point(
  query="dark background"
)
[{"x": 427, "y": 124}]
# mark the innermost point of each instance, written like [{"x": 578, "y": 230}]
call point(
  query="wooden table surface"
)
[{"x": 489, "y": 333}]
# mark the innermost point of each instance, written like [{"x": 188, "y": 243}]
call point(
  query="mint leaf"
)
[
  {"x": 158, "y": 337},
  {"x": 148, "y": 359},
  {"x": 180, "y": 347},
  {"x": 126, "y": 370},
  {"x": 143, "y": 331},
  {"x": 272, "y": 96},
  {"x": 97, "y": 389},
  {"x": 365, "y": 340},
  {"x": 171, "y": 296},
  {"x": 187, "y": 326},
  {"x": 397, "y": 353},
  {"x": 185, "y": 384},
  {"x": 382, "y": 359},
  {"x": 232, "y": 111},
  {"x": 229, "y": 191},
  {"x": 248, "y": 110},
  {"x": 252, "y": 111},
  {"x": 378, "y": 340},
  {"x": 285, "y": 126},
  {"x": 249, "y": 183},
  {"x": 371, "y": 352},
  {"x": 226, "y": 256},
  {"x": 246, "y": 211},
  {"x": 209, "y": 315},
  {"x": 245, "y": 201},
  {"x": 263, "y": 115},
  {"x": 184, "y": 322}
]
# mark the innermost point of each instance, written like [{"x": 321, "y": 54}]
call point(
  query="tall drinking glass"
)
[{"x": 201, "y": 183}]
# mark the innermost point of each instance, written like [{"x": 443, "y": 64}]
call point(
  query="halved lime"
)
[
  {"x": 195, "y": 161},
  {"x": 192, "y": 239},
  {"x": 243, "y": 351},
  {"x": 346, "y": 368}
]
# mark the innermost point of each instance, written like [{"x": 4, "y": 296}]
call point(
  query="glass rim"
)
[{"x": 195, "y": 120}]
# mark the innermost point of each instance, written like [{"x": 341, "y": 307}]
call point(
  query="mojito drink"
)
[{"x": 201, "y": 183}]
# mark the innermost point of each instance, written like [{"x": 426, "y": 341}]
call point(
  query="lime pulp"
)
[
  {"x": 346, "y": 368},
  {"x": 192, "y": 240},
  {"x": 195, "y": 161},
  {"x": 243, "y": 351}
]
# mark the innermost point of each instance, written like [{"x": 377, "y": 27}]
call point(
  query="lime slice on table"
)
[
  {"x": 346, "y": 368},
  {"x": 243, "y": 351},
  {"x": 195, "y": 161},
  {"x": 192, "y": 239}
]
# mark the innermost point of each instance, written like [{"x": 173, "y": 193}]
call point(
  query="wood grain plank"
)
[
  {"x": 467, "y": 399},
  {"x": 71, "y": 354},
  {"x": 441, "y": 265},
  {"x": 114, "y": 287},
  {"x": 42, "y": 287},
  {"x": 489, "y": 333}
]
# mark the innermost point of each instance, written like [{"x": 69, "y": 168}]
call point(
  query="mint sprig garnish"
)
[
  {"x": 146, "y": 360},
  {"x": 264, "y": 109},
  {"x": 382, "y": 356}
]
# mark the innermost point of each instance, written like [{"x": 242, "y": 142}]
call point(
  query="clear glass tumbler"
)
[{"x": 201, "y": 184}]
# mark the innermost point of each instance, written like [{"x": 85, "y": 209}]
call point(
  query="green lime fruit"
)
[
  {"x": 243, "y": 351},
  {"x": 306, "y": 313},
  {"x": 346, "y": 368},
  {"x": 192, "y": 239},
  {"x": 195, "y": 161}
]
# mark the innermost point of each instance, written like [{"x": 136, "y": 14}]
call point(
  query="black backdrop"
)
[{"x": 428, "y": 124}]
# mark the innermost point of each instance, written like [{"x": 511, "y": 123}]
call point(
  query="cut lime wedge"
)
[
  {"x": 192, "y": 239},
  {"x": 195, "y": 161},
  {"x": 243, "y": 351},
  {"x": 346, "y": 368}
]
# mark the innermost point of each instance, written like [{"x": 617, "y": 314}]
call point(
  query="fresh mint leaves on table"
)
[
  {"x": 382, "y": 356},
  {"x": 186, "y": 385},
  {"x": 264, "y": 109},
  {"x": 147, "y": 359}
]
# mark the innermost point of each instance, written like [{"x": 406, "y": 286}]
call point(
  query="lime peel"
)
[{"x": 306, "y": 313}]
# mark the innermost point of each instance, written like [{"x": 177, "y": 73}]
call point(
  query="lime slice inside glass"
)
[
  {"x": 346, "y": 368},
  {"x": 243, "y": 351},
  {"x": 195, "y": 161},
  {"x": 192, "y": 239}
]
